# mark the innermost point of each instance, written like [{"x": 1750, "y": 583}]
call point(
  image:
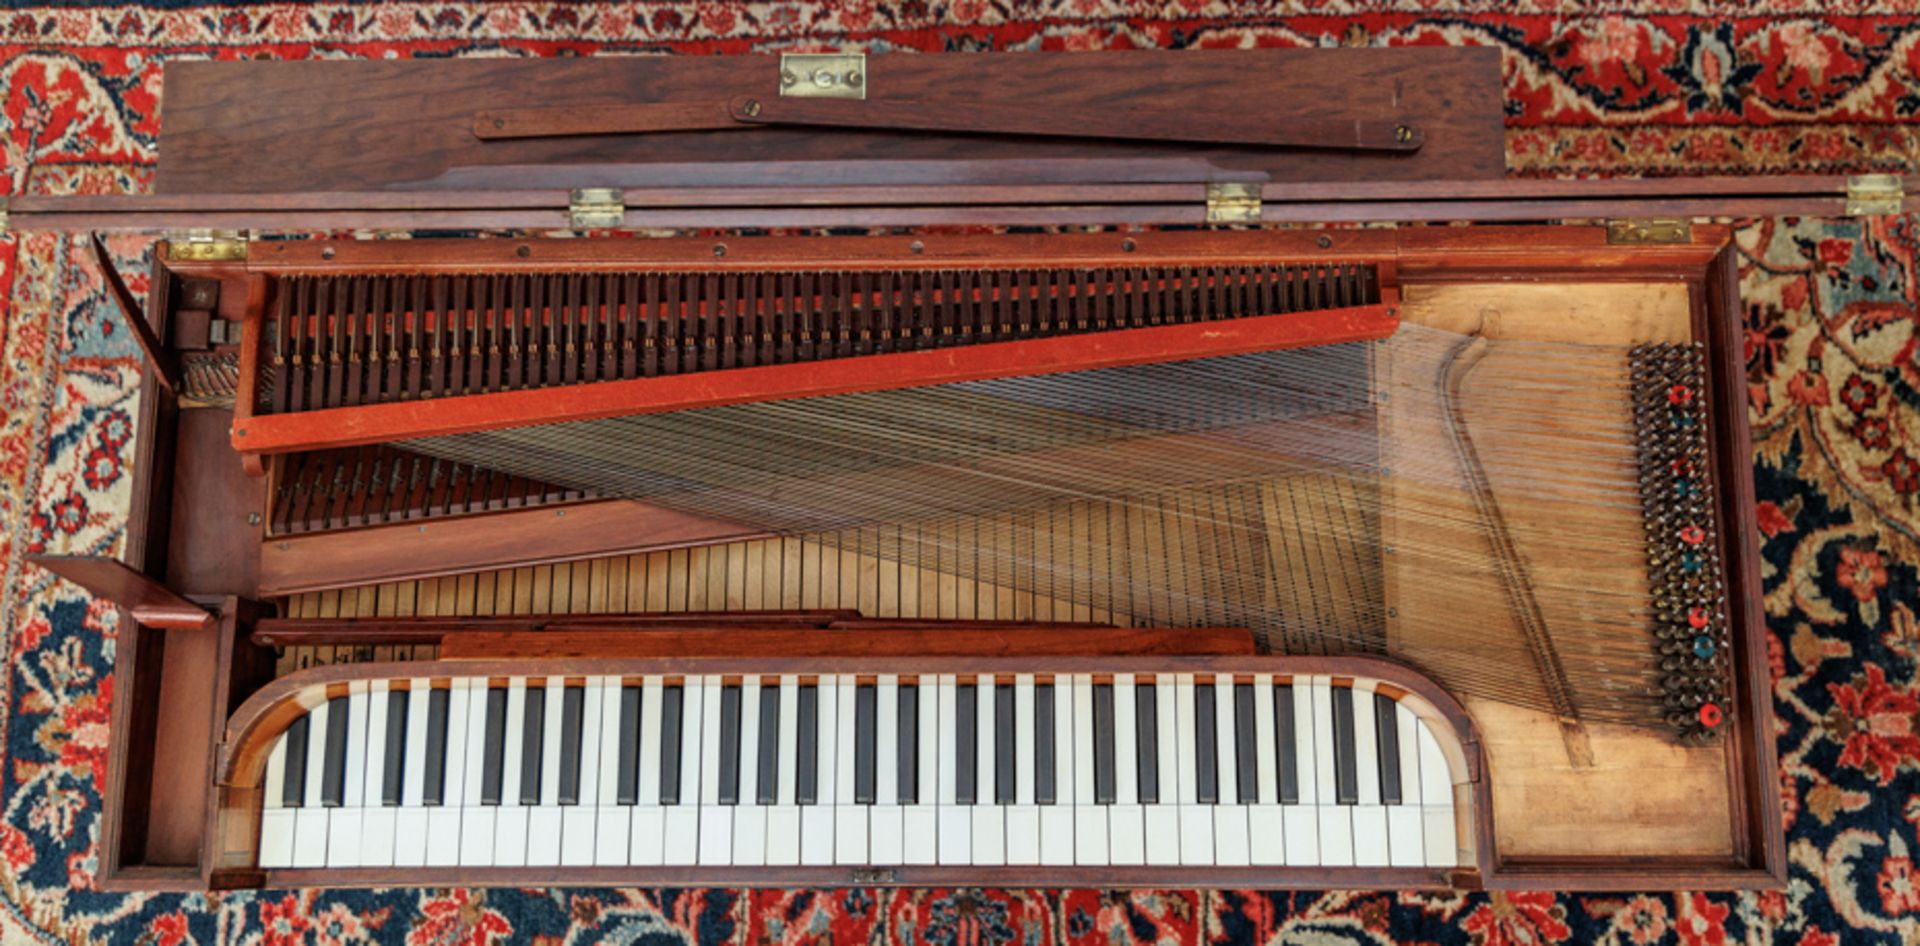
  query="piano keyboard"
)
[{"x": 864, "y": 771}]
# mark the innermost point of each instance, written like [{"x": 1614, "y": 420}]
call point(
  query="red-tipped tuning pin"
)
[{"x": 1710, "y": 715}]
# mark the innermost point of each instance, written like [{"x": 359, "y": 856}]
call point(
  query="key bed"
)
[{"x": 1276, "y": 771}]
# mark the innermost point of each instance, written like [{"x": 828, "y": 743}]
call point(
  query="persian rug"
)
[{"x": 1632, "y": 87}]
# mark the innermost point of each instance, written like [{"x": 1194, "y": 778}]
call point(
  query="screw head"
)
[
  {"x": 499, "y": 123},
  {"x": 1403, "y": 134},
  {"x": 788, "y": 78},
  {"x": 854, "y": 78},
  {"x": 253, "y": 518},
  {"x": 750, "y": 107},
  {"x": 1324, "y": 241}
]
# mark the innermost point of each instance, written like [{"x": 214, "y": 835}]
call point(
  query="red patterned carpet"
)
[{"x": 1644, "y": 86}]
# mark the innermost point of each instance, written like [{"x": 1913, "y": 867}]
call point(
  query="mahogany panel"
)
[
  {"x": 331, "y": 125},
  {"x": 404, "y": 551},
  {"x": 872, "y": 639}
]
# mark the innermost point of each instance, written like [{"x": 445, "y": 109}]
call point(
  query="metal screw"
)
[
  {"x": 559, "y": 512},
  {"x": 1403, "y": 134},
  {"x": 523, "y": 251},
  {"x": 1324, "y": 241},
  {"x": 326, "y": 253},
  {"x": 719, "y": 249},
  {"x": 824, "y": 79},
  {"x": 281, "y": 546},
  {"x": 853, "y": 78},
  {"x": 253, "y": 518},
  {"x": 423, "y": 528},
  {"x": 499, "y": 123},
  {"x": 1127, "y": 245},
  {"x": 787, "y": 77},
  {"x": 917, "y": 246},
  {"x": 750, "y": 107},
  {"x": 1393, "y": 612},
  {"x": 242, "y": 432}
]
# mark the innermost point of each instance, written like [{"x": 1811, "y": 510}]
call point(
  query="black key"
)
[
  {"x": 627, "y": 779},
  {"x": 393, "y": 770},
  {"x": 293, "y": 784},
  {"x": 729, "y": 789},
  {"x": 333, "y": 765},
  {"x": 1147, "y": 712},
  {"x": 1043, "y": 787},
  {"x": 1003, "y": 745},
  {"x": 670, "y": 708},
  {"x": 533, "y": 736},
  {"x": 806, "y": 769},
  {"x": 1283, "y": 743},
  {"x": 572, "y": 704},
  {"x": 1103, "y": 774},
  {"x": 767, "y": 785},
  {"x": 1346, "y": 773},
  {"x": 1244, "y": 744},
  {"x": 966, "y": 750},
  {"x": 490, "y": 774},
  {"x": 1386, "y": 730},
  {"x": 909, "y": 754},
  {"x": 436, "y": 777},
  {"x": 1206, "y": 770},
  {"x": 865, "y": 741}
]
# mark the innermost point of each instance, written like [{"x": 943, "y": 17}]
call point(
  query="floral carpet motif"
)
[{"x": 1832, "y": 322}]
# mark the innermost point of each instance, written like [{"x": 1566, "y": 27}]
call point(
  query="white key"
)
[
  {"x": 1266, "y": 821},
  {"x": 989, "y": 845},
  {"x": 1126, "y": 820},
  {"x": 921, "y": 822},
  {"x": 816, "y": 820},
  {"x": 1163, "y": 818},
  {"x": 276, "y": 820},
  {"x": 443, "y": 821},
  {"x": 1406, "y": 833},
  {"x": 1057, "y": 819},
  {"x": 577, "y": 829},
  {"x": 716, "y": 820},
  {"x": 346, "y": 823},
  {"x": 749, "y": 816},
  {"x": 510, "y": 819},
  {"x": 648, "y": 821},
  {"x": 1089, "y": 816},
  {"x": 1196, "y": 820},
  {"x": 1023, "y": 817},
  {"x": 955, "y": 829},
  {"x": 1336, "y": 820},
  {"x": 783, "y": 819},
  {"x": 682, "y": 828},
  {"x": 849, "y": 818},
  {"x": 1369, "y": 816},
  {"x": 476, "y": 820},
  {"x": 886, "y": 842},
  {"x": 612, "y": 821},
  {"x": 543, "y": 822},
  {"x": 410, "y": 821},
  {"x": 1231, "y": 846},
  {"x": 310, "y": 823},
  {"x": 376, "y": 818},
  {"x": 1303, "y": 820},
  {"x": 1436, "y": 802}
]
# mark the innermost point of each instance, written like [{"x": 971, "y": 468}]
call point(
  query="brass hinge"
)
[
  {"x": 207, "y": 246},
  {"x": 1655, "y": 230},
  {"x": 592, "y": 208},
  {"x": 1874, "y": 195},
  {"x": 823, "y": 75},
  {"x": 1233, "y": 202}
]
